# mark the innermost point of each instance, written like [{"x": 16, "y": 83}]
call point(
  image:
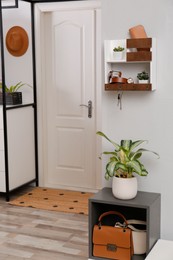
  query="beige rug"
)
[{"x": 53, "y": 199}]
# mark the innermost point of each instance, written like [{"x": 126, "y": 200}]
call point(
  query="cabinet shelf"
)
[
  {"x": 145, "y": 206},
  {"x": 128, "y": 87},
  {"x": 18, "y": 122}
]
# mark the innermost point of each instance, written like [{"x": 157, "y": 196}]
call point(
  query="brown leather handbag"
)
[{"x": 114, "y": 242}]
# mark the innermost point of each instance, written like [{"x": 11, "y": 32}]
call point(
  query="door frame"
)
[{"x": 40, "y": 10}]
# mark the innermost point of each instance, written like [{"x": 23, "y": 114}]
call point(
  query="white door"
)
[{"x": 70, "y": 75}]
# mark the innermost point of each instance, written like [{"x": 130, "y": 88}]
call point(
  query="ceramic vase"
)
[{"x": 124, "y": 188}]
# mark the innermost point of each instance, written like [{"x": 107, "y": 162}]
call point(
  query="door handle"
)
[{"x": 89, "y": 106}]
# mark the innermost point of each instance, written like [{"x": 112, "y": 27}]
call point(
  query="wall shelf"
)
[
  {"x": 139, "y": 55},
  {"x": 128, "y": 87}
]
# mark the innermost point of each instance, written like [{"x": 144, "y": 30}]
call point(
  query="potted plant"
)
[
  {"x": 143, "y": 77},
  {"x": 118, "y": 52},
  {"x": 13, "y": 96},
  {"x": 123, "y": 164}
]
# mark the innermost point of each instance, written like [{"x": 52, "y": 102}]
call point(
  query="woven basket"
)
[{"x": 14, "y": 98}]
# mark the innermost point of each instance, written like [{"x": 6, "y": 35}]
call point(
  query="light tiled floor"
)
[{"x": 27, "y": 233}]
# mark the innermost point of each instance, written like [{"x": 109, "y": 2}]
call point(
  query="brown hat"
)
[{"x": 17, "y": 41}]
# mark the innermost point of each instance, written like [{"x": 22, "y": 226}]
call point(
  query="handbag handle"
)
[{"x": 112, "y": 213}]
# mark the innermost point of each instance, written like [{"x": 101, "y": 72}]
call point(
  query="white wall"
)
[
  {"x": 147, "y": 116},
  {"x": 144, "y": 115}
]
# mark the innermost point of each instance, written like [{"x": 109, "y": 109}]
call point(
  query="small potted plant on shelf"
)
[
  {"x": 123, "y": 164},
  {"x": 143, "y": 77},
  {"x": 118, "y": 53},
  {"x": 13, "y": 96}
]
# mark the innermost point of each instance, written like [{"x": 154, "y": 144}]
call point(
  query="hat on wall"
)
[{"x": 17, "y": 41}]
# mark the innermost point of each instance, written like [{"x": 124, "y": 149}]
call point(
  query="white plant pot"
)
[
  {"x": 143, "y": 81},
  {"x": 118, "y": 55},
  {"x": 124, "y": 188}
]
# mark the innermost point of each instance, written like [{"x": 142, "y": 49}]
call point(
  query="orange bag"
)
[
  {"x": 114, "y": 242},
  {"x": 138, "y": 32}
]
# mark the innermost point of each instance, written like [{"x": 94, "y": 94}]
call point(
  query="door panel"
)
[{"x": 70, "y": 81}]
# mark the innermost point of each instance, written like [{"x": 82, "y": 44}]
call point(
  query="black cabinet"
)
[{"x": 145, "y": 206}]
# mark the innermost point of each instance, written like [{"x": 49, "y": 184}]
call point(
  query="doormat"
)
[{"x": 55, "y": 199}]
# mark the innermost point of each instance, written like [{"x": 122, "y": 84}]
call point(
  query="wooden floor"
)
[{"x": 27, "y": 233}]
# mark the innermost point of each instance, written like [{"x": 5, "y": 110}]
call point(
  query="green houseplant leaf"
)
[
  {"x": 125, "y": 160},
  {"x": 143, "y": 75},
  {"x": 118, "y": 49},
  {"x": 114, "y": 144},
  {"x": 14, "y": 88}
]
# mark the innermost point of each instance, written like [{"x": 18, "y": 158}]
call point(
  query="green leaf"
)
[
  {"x": 110, "y": 168},
  {"x": 136, "y": 143},
  {"x": 106, "y": 176},
  {"x": 141, "y": 150},
  {"x": 17, "y": 86},
  {"x": 126, "y": 144},
  {"x": 111, "y": 153},
  {"x": 135, "y": 166},
  {"x": 14, "y": 88},
  {"x": 136, "y": 156},
  {"x": 11, "y": 89},
  {"x": 113, "y": 158},
  {"x": 144, "y": 171},
  {"x": 112, "y": 142},
  {"x": 121, "y": 166}
]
